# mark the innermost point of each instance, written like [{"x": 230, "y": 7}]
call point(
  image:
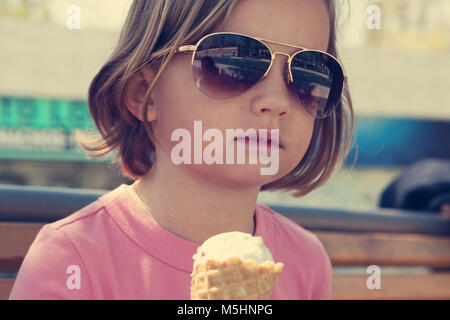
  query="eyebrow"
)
[
  {"x": 285, "y": 44},
  {"x": 295, "y": 48},
  {"x": 281, "y": 43},
  {"x": 192, "y": 47},
  {"x": 266, "y": 40}
]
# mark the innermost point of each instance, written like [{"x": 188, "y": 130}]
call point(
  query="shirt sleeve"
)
[{"x": 52, "y": 270}]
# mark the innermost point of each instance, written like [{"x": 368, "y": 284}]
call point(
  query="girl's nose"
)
[{"x": 272, "y": 93}]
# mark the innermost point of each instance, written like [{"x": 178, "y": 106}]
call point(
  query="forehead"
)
[{"x": 302, "y": 23}]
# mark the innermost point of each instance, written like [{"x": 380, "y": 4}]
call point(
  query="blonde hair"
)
[{"x": 152, "y": 32}]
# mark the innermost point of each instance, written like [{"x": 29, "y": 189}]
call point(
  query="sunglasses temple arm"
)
[{"x": 186, "y": 48}]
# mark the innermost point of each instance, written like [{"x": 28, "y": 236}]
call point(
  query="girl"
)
[{"x": 270, "y": 65}]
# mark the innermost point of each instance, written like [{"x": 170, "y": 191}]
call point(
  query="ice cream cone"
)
[{"x": 234, "y": 278}]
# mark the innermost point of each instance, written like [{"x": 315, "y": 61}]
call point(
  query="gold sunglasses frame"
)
[{"x": 273, "y": 53}]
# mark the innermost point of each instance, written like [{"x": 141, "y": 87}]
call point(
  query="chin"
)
[{"x": 245, "y": 176}]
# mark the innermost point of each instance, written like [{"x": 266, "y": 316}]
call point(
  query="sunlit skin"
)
[{"x": 197, "y": 201}]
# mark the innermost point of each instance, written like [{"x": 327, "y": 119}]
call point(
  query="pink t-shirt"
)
[{"x": 111, "y": 249}]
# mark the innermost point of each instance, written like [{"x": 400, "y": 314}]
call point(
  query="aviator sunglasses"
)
[{"x": 227, "y": 64}]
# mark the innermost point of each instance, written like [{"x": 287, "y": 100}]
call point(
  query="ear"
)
[{"x": 135, "y": 94}]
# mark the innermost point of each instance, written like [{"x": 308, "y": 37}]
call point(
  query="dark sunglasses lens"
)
[
  {"x": 226, "y": 65},
  {"x": 318, "y": 80}
]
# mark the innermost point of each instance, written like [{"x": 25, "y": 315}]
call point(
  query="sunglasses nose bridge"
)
[
  {"x": 287, "y": 62},
  {"x": 282, "y": 53}
]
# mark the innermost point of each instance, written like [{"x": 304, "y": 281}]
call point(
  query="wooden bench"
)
[{"x": 347, "y": 250}]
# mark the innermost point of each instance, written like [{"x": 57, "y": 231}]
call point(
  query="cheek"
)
[
  {"x": 301, "y": 134},
  {"x": 174, "y": 95},
  {"x": 301, "y": 122},
  {"x": 179, "y": 103}
]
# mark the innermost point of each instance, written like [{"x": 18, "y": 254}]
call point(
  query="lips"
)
[{"x": 259, "y": 139}]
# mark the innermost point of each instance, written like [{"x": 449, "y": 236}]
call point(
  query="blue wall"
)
[{"x": 389, "y": 142}]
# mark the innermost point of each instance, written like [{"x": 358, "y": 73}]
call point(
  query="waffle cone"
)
[{"x": 234, "y": 279}]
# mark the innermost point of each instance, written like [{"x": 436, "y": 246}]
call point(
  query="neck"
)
[{"x": 194, "y": 207}]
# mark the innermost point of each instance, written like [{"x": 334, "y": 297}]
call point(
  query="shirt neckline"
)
[{"x": 167, "y": 247}]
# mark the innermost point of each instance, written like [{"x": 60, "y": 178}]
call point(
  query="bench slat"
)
[
  {"x": 393, "y": 286},
  {"x": 6, "y": 285},
  {"x": 344, "y": 249},
  {"x": 385, "y": 249},
  {"x": 353, "y": 287},
  {"x": 15, "y": 240}
]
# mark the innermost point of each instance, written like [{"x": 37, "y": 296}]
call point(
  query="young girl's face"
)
[{"x": 269, "y": 104}]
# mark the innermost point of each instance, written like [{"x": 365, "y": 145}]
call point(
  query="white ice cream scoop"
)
[{"x": 233, "y": 244}]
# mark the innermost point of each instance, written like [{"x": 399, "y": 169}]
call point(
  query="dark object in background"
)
[{"x": 424, "y": 186}]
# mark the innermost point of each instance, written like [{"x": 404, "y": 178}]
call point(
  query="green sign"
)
[
  {"x": 44, "y": 114},
  {"x": 38, "y": 129}
]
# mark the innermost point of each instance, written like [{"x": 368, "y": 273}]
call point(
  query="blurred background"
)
[{"x": 398, "y": 75}]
